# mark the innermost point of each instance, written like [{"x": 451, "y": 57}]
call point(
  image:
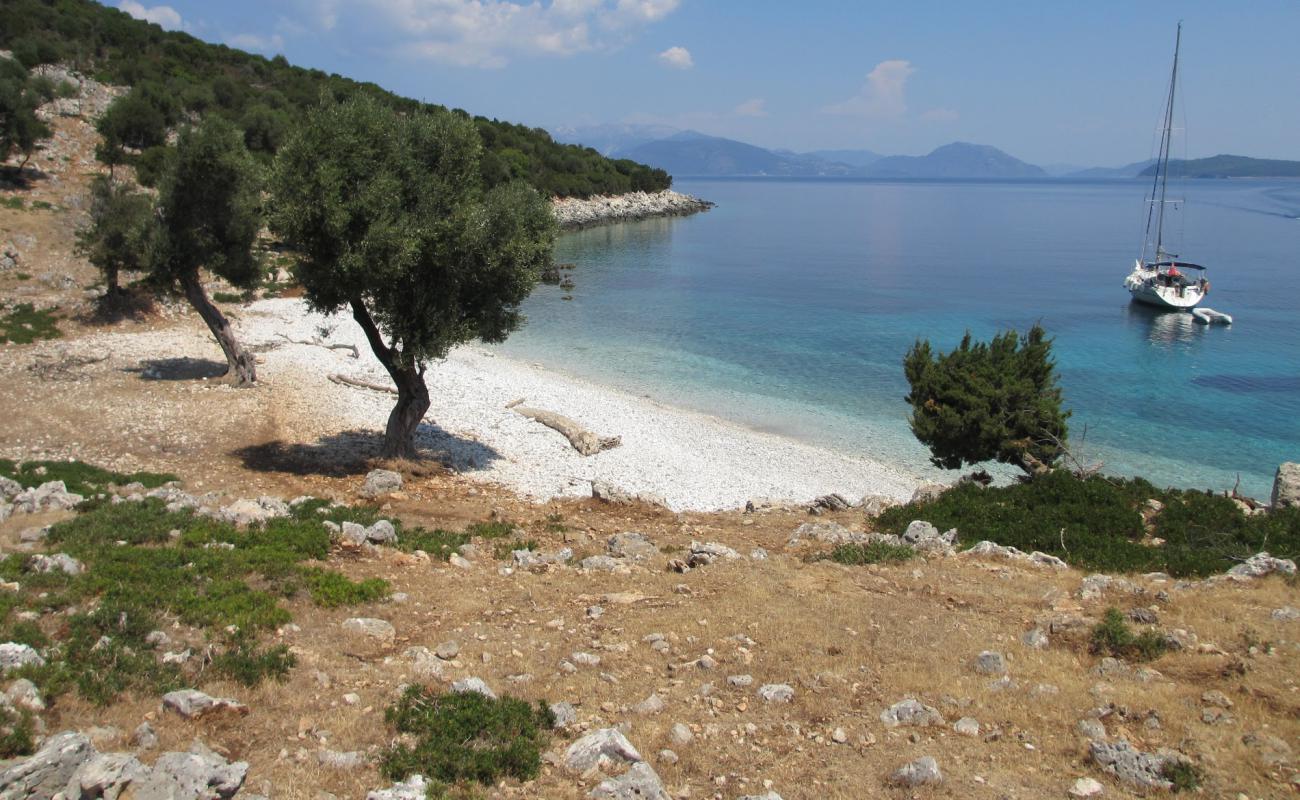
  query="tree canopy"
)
[
  {"x": 987, "y": 401},
  {"x": 392, "y": 220},
  {"x": 209, "y": 215},
  {"x": 20, "y": 128},
  {"x": 177, "y": 74},
  {"x": 117, "y": 238}
]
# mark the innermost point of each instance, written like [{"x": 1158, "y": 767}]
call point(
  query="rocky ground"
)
[
  {"x": 704, "y": 655},
  {"x": 572, "y": 212}
]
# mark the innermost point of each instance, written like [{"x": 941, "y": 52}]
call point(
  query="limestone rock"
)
[
  {"x": 381, "y": 532},
  {"x": 928, "y": 492},
  {"x": 1262, "y": 564},
  {"x": 192, "y": 704},
  {"x": 107, "y": 776},
  {"x": 653, "y": 704},
  {"x": 447, "y": 650},
  {"x": 14, "y": 655},
  {"x": 252, "y": 512},
  {"x": 1035, "y": 638},
  {"x": 1286, "y": 485},
  {"x": 911, "y": 711},
  {"x": 199, "y": 773},
  {"x": 24, "y": 694},
  {"x": 600, "y": 749},
  {"x": 564, "y": 713},
  {"x": 48, "y": 771},
  {"x": 58, "y": 562},
  {"x": 828, "y": 532},
  {"x": 572, "y": 212},
  {"x": 413, "y": 788},
  {"x": 991, "y": 662},
  {"x": 1129, "y": 764},
  {"x": 472, "y": 684},
  {"x": 1286, "y": 614},
  {"x": 335, "y": 759},
  {"x": 380, "y": 482},
  {"x": 776, "y": 693},
  {"x": 639, "y": 782},
  {"x": 967, "y": 726},
  {"x": 924, "y": 771},
  {"x": 632, "y": 546},
  {"x": 1086, "y": 787},
  {"x": 680, "y": 734},
  {"x": 377, "y": 629},
  {"x": 49, "y": 496},
  {"x": 600, "y": 564},
  {"x": 703, "y": 553}
]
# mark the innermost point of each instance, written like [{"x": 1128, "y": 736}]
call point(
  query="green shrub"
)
[
  {"x": 16, "y": 732},
  {"x": 490, "y": 530},
  {"x": 146, "y": 564},
  {"x": 986, "y": 401},
  {"x": 250, "y": 665},
  {"x": 1113, "y": 637},
  {"x": 331, "y": 590},
  {"x": 504, "y": 550},
  {"x": 24, "y": 325},
  {"x": 437, "y": 543},
  {"x": 1095, "y": 523},
  {"x": 873, "y": 553},
  {"x": 1184, "y": 775},
  {"x": 466, "y": 737},
  {"x": 14, "y": 203},
  {"x": 78, "y": 476}
]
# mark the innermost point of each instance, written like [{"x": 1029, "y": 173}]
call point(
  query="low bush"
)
[
  {"x": 466, "y": 737},
  {"x": 873, "y": 553},
  {"x": 24, "y": 325},
  {"x": 1113, "y": 637},
  {"x": 78, "y": 476},
  {"x": 17, "y": 732},
  {"x": 1095, "y": 523},
  {"x": 146, "y": 565},
  {"x": 1184, "y": 775}
]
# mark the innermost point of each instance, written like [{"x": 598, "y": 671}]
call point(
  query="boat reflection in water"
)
[{"x": 1164, "y": 328}]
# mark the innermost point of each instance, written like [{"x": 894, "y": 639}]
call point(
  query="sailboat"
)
[{"x": 1159, "y": 277}]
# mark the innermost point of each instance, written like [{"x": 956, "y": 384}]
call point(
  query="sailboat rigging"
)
[{"x": 1163, "y": 280}]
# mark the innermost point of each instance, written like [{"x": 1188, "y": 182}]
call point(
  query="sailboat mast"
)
[{"x": 1165, "y": 142}]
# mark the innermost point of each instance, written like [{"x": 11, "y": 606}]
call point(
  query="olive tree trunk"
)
[
  {"x": 240, "y": 362},
  {"x": 412, "y": 393}
]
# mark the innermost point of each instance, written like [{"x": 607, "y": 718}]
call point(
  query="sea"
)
[{"x": 790, "y": 305}]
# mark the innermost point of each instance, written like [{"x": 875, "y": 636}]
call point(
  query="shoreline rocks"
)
[{"x": 573, "y": 213}]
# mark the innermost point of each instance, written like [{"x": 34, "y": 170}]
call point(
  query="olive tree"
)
[
  {"x": 209, "y": 214},
  {"x": 117, "y": 238},
  {"x": 987, "y": 401},
  {"x": 20, "y": 128},
  {"x": 392, "y": 222}
]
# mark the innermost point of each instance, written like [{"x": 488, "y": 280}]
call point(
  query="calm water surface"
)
[{"x": 789, "y": 308}]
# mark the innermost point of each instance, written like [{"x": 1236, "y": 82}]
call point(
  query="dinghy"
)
[{"x": 1208, "y": 316}]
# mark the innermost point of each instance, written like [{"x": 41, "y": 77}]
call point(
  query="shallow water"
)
[{"x": 789, "y": 308}]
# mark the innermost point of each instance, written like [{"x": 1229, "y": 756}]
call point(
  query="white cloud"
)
[
  {"x": 165, "y": 16},
  {"x": 752, "y": 108},
  {"x": 940, "y": 115},
  {"x": 257, "y": 42},
  {"x": 489, "y": 33},
  {"x": 677, "y": 58},
  {"x": 882, "y": 96}
]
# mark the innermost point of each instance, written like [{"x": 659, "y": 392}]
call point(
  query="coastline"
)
[
  {"x": 682, "y": 459},
  {"x": 573, "y": 213}
]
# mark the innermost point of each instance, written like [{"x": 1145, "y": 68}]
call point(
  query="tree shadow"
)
[
  {"x": 179, "y": 369},
  {"x": 14, "y": 177},
  {"x": 132, "y": 303},
  {"x": 355, "y": 452}
]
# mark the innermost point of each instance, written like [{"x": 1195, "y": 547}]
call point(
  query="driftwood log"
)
[
  {"x": 583, "y": 440},
  {"x": 378, "y": 387}
]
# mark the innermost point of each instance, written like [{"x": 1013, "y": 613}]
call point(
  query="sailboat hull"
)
[{"x": 1146, "y": 286}]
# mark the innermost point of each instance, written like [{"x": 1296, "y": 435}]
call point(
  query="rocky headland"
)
[{"x": 572, "y": 212}]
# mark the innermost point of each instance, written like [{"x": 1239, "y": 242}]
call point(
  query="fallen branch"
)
[
  {"x": 346, "y": 381},
  {"x": 583, "y": 440},
  {"x": 351, "y": 347}
]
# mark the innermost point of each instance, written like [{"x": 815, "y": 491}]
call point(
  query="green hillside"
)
[
  {"x": 1224, "y": 166},
  {"x": 181, "y": 75}
]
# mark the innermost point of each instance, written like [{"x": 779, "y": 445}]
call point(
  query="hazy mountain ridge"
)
[{"x": 691, "y": 153}]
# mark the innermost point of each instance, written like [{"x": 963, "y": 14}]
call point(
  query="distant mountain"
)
[
  {"x": 1225, "y": 166},
  {"x": 1127, "y": 171},
  {"x": 854, "y": 158},
  {"x": 612, "y": 139},
  {"x": 692, "y": 153},
  {"x": 956, "y": 160}
]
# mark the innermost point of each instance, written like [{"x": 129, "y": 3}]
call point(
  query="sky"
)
[{"x": 1051, "y": 83}]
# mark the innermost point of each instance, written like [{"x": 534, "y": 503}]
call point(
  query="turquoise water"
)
[{"x": 789, "y": 308}]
